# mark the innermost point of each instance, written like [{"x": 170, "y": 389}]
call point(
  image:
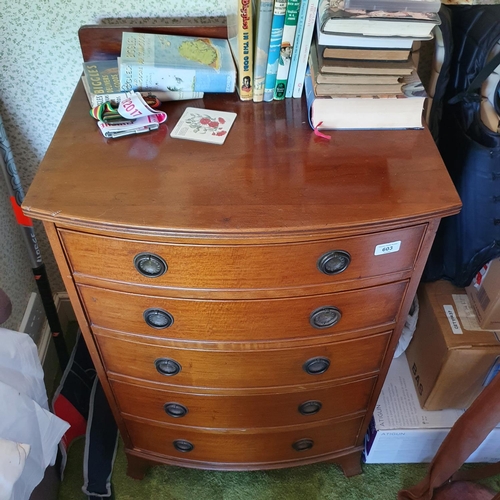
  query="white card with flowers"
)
[{"x": 203, "y": 125}]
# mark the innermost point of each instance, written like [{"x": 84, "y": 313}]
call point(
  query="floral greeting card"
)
[{"x": 203, "y": 125}]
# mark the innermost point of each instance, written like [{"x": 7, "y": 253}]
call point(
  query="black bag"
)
[{"x": 471, "y": 151}]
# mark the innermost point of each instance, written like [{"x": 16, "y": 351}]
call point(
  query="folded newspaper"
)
[{"x": 133, "y": 116}]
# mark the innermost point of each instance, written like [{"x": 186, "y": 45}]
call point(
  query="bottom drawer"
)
[{"x": 248, "y": 446}]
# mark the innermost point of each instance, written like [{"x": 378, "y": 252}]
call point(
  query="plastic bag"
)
[{"x": 24, "y": 414}]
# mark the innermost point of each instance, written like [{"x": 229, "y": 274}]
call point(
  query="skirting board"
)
[
  {"x": 66, "y": 315},
  {"x": 46, "y": 349}
]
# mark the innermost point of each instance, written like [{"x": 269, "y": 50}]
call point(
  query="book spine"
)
[
  {"x": 240, "y": 37},
  {"x": 274, "y": 48},
  {"x": 264, "y": 17},
  {"x": 102, "y": 77},
  {"x": 305, "y": 47},
  {"x": 296, "y": 43},
  {"x": 286, "y": 48},
  {"x": 313, "y": 68},
  {"x": 245, "y": 50},
  {"x": 310, "y": 97},
  {"x": 96, "y": 99}
]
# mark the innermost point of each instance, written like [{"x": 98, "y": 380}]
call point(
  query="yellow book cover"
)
[{"x": 240, "y": 35}]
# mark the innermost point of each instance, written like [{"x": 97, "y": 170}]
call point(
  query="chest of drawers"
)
[{"x": 241, "y": 302}]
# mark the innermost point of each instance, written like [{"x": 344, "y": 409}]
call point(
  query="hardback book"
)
[
  {"x": 297, "y": 42},
  {"x": 286, "y": 48},
  {"x": 401, "y": 111},
  {"x": 358, "y": 90},
  {"x": 262, "y": 33},
  {"x": 102, "y": 84},
  {"x": 394, "y": 5},
  {"x": 364, "y": 53},
  {"x": 334, "y": 19},
  {"x": 323, "y": 81},
  {"x": 278, "y": 23},
  {"x": 357, "y": 79},
  {"x": 350, "y": 67},
  {"x": 389, "y": 42},
  {"x": 305, "y": 47},
  {"x": 175, "y": 63},
  {"x": 240, "y": 36}
]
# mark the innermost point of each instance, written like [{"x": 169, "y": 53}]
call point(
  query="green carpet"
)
[{"x": 312, "y": 482}]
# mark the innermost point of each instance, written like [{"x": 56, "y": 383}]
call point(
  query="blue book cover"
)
[
  {"x": 305, "y": 48},
  {"x": 301, "y": 20},
  {"x": 264, "y": 16},
  {"x": 286, "y": 48},
  {"x": 176, "y": 63},
  {"x": 274, "y": 48}
]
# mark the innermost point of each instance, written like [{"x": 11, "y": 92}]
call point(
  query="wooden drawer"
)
[
  {"x": 241, "y": 368},
  {"x": 247, "y": 446},
  {"x": 242, "y": 266},
  {"x": 267, "y": 409},
  {"x": 243, "y": 320}
]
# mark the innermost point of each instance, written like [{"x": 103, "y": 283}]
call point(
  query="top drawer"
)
[{"x": 241, "y": 266}]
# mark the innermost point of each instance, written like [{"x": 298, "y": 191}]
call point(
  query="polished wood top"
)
[{"x": 272, "y": 176}]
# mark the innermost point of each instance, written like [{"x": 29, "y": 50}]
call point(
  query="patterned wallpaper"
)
[{"x": 40, "y": 64}]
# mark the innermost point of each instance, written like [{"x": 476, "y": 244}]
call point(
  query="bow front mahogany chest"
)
[{"x": 241, "y": 302}]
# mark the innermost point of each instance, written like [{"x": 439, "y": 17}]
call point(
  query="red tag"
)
[{"x": 20, "y": 217}]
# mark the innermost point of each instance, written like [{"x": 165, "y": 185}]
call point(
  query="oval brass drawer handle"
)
[
  {"x": 183, "y": 446},
  {"x": 325, "y": 317},
  {"x": 334, "y": 262},
  {"x": 158, "y": 318},
  {"x": 150, "y": 265},
  {"x": 316, "y": 366},
  {"x": 175, "y": 410},
  {"x": 310, "y": 407},
  {"x": 303, "y": 444},
  {"x": 167, "y": 366}
]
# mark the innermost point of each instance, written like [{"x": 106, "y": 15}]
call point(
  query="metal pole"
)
[{"x": 16, "y": 195}]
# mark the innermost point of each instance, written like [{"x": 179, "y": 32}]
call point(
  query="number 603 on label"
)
[{"x": 385, "y": 248}]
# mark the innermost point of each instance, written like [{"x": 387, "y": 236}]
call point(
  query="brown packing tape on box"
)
[{"x": 449, "y": 363}]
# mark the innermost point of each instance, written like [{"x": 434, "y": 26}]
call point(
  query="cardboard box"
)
[
  {"x": 401, "y": 432},
  {"x": 451, "y": 358},
  {"x": 484, "y": 295}
]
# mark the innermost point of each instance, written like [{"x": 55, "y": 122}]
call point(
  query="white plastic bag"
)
[
  {"x": 12, "y": 460},
  {"x": 24, "y": 414},
  {"x": 408, "y": 328},
  {"x": 20, "y": 367}
]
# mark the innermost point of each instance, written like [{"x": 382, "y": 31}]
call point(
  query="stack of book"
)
[
  {"x": 170, "y": 67},
  {"x": 362, "y": 66}
]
